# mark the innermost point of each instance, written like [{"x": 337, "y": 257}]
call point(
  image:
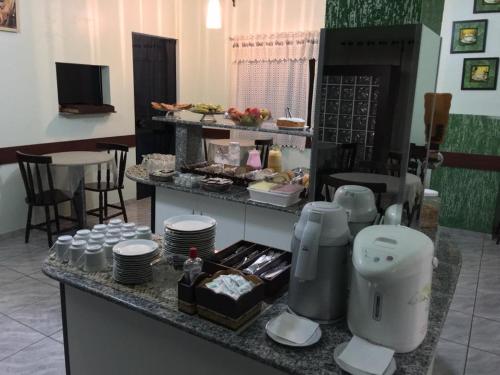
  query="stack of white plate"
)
[
  {"x": 186, "y": 231},
  {"x": 132, "y": 261}
]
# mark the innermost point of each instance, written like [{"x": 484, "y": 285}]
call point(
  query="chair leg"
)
[
  {"x": 56, "y": 217},
  {"x": 101, "y": 209},
  {"x": 105, "y": 205},
  {"x": 122, "y": 204},
  {"x": 77, "y": 213},
  {"x": 28, "y": 224},
  {"x": 48, "y": 226}
]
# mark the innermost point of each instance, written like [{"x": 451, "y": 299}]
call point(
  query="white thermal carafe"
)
[
  {"x": 318, "y": 278},
  {"x": 391, "y": 286},
  {"x": 359, "y": 204}
]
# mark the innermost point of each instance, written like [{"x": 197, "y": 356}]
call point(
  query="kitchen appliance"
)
[
  {"x": 359, "y": 204},
  {"x": 391, "y": 286},
  {"x": 319, "y": 274}
]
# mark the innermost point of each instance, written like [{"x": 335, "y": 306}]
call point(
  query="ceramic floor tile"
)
[
  {"x": 40, "y": 276},
  {"x": 457, "y": 327},
  {"x": 23, "y": 292},
  {"x": 27, "y": 263},
  {"x": 8, "y": 275},
  {"x": 482, "y": 363},
  {"x": 58, "y": 336},
  {"x": 14, "y": 336},
  {"x": 488, "y": 304},
  {"x": 450, "y": 358},
  {"x": 485, "y": 335},
  {"x": 43, "y": 316},
  {"x": 463, "y": 300},
  {"x": 45, "y": 357},
  {"x": 489, "y": 281}
]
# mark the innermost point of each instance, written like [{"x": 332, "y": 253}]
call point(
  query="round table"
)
[
  {"x": 69, "y": 174},
  {"x": 413, "y": 185}
]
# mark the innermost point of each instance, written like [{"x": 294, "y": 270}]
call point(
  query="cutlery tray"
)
[
  {"x": 224, "y": 310},
  {"x": 232, "y": 257}
]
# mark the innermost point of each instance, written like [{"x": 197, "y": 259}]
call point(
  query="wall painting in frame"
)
[
  {"x": 480, "y": 74},
  {"x": 9, "y": 15},
  {"x": 486, "y": 6},
  {"x": 469, "y": 36}
]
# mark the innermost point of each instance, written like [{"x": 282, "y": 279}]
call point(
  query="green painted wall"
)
[
  {"x": 360, "y": 13},
  {"x": 468, "y": 196}
]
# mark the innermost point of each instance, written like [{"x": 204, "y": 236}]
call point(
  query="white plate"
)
[
  {"x": 312, "y": 340},
  {"x": 135, "y": 247},
  {"x": 354, "y": 371},
  {"x": 189, "y": 223}
]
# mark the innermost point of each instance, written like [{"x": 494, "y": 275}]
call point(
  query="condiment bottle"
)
[
  {"x": 192, "y": 266},
  {"x": 253, "y": 161},
  {"x": 274, "y": 160}
]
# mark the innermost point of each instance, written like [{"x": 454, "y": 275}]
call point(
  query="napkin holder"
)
[
  {"x": 224, "y": 310},
  {"x": 186, "y": 296}
]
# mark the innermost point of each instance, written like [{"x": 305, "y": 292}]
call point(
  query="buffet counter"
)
[
  {"x": 237, "y": 216},
  {"x": 113, "y": 328}
]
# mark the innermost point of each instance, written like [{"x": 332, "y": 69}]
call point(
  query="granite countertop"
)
[
  {"x": 158, "y": 301},
  {"x": 238, "y": 194},
  {"x": 187, "y": 118}
]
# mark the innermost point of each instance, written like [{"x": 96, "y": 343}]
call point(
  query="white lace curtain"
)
[{"x": 272, "y": 71}]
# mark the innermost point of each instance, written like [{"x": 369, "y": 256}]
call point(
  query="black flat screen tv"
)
[{"x": 79, "y": 84}]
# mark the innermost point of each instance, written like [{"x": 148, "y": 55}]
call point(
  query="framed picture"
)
[
  {"x": 9, "y": 15},
  {"x": 480, "y": 74},
  {"x": 469, "y": 36},
  {"x": 486, "y": 6}
]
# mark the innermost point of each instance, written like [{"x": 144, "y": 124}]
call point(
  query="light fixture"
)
[{"x": 214, "y": 15}]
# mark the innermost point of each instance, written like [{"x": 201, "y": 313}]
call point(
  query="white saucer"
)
[
  {"x": 312, "y": 340},
  {"x": 354, "y": 371}
]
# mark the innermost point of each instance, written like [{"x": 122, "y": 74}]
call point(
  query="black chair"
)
[
  {"x": 377, "y": 188},
  {"x": 263, "y": 145},
  {"x": 393, "y": 164},
  {"x": 346, "y": 154},
  {"x": 103, "y": 187},
  {"x": 38, "y": 183}
]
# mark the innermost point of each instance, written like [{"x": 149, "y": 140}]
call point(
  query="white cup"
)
[
  {"x": 83, "y": 233},
  {"x": 95, "y": 260},
  {"x": 128, "y": 227},
  {"x": 108, "y": 248},
  {"x": 97, "y": 238},
  {"x": 76, "y": 251},
  {"x": 115, "y": 222},
  {"x": 99, "y": 228},
  {"x": 62, "y": 246},
  {"x": 114, "y": 233},
  {"x": 143, "y": 232},
  {"x": 127, "y": 236}
]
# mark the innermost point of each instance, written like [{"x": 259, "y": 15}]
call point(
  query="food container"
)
[
  {"x": 290, "y": 123},
  {"x": 224, "y": 310},
  {"x": 216, "y": 184},
  {"x": 232, "y": 257},
  {"x": 276, "y": 197}
]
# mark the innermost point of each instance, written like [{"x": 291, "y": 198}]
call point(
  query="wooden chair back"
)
[
  {"x": 346, "y": 156},
  {"x": 37, "y": 175},
  {"x": 120, "y": 156}
]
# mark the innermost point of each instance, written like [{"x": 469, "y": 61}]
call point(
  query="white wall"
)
[
  {"x": 450, "y": 72},
  {"x": 79, "y": 31}
]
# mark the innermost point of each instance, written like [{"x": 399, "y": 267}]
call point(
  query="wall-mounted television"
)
[{"x": 83, "y": 88}]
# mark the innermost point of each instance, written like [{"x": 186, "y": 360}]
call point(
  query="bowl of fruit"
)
[{"x": 251, "y": 116}]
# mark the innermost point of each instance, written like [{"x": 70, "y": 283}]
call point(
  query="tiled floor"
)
[
  {"x": 30, "y": 324},
  {"x": 31, "y": 339}
]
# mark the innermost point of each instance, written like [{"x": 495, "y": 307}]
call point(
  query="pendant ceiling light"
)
[{"x": 214, "y": 15}]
